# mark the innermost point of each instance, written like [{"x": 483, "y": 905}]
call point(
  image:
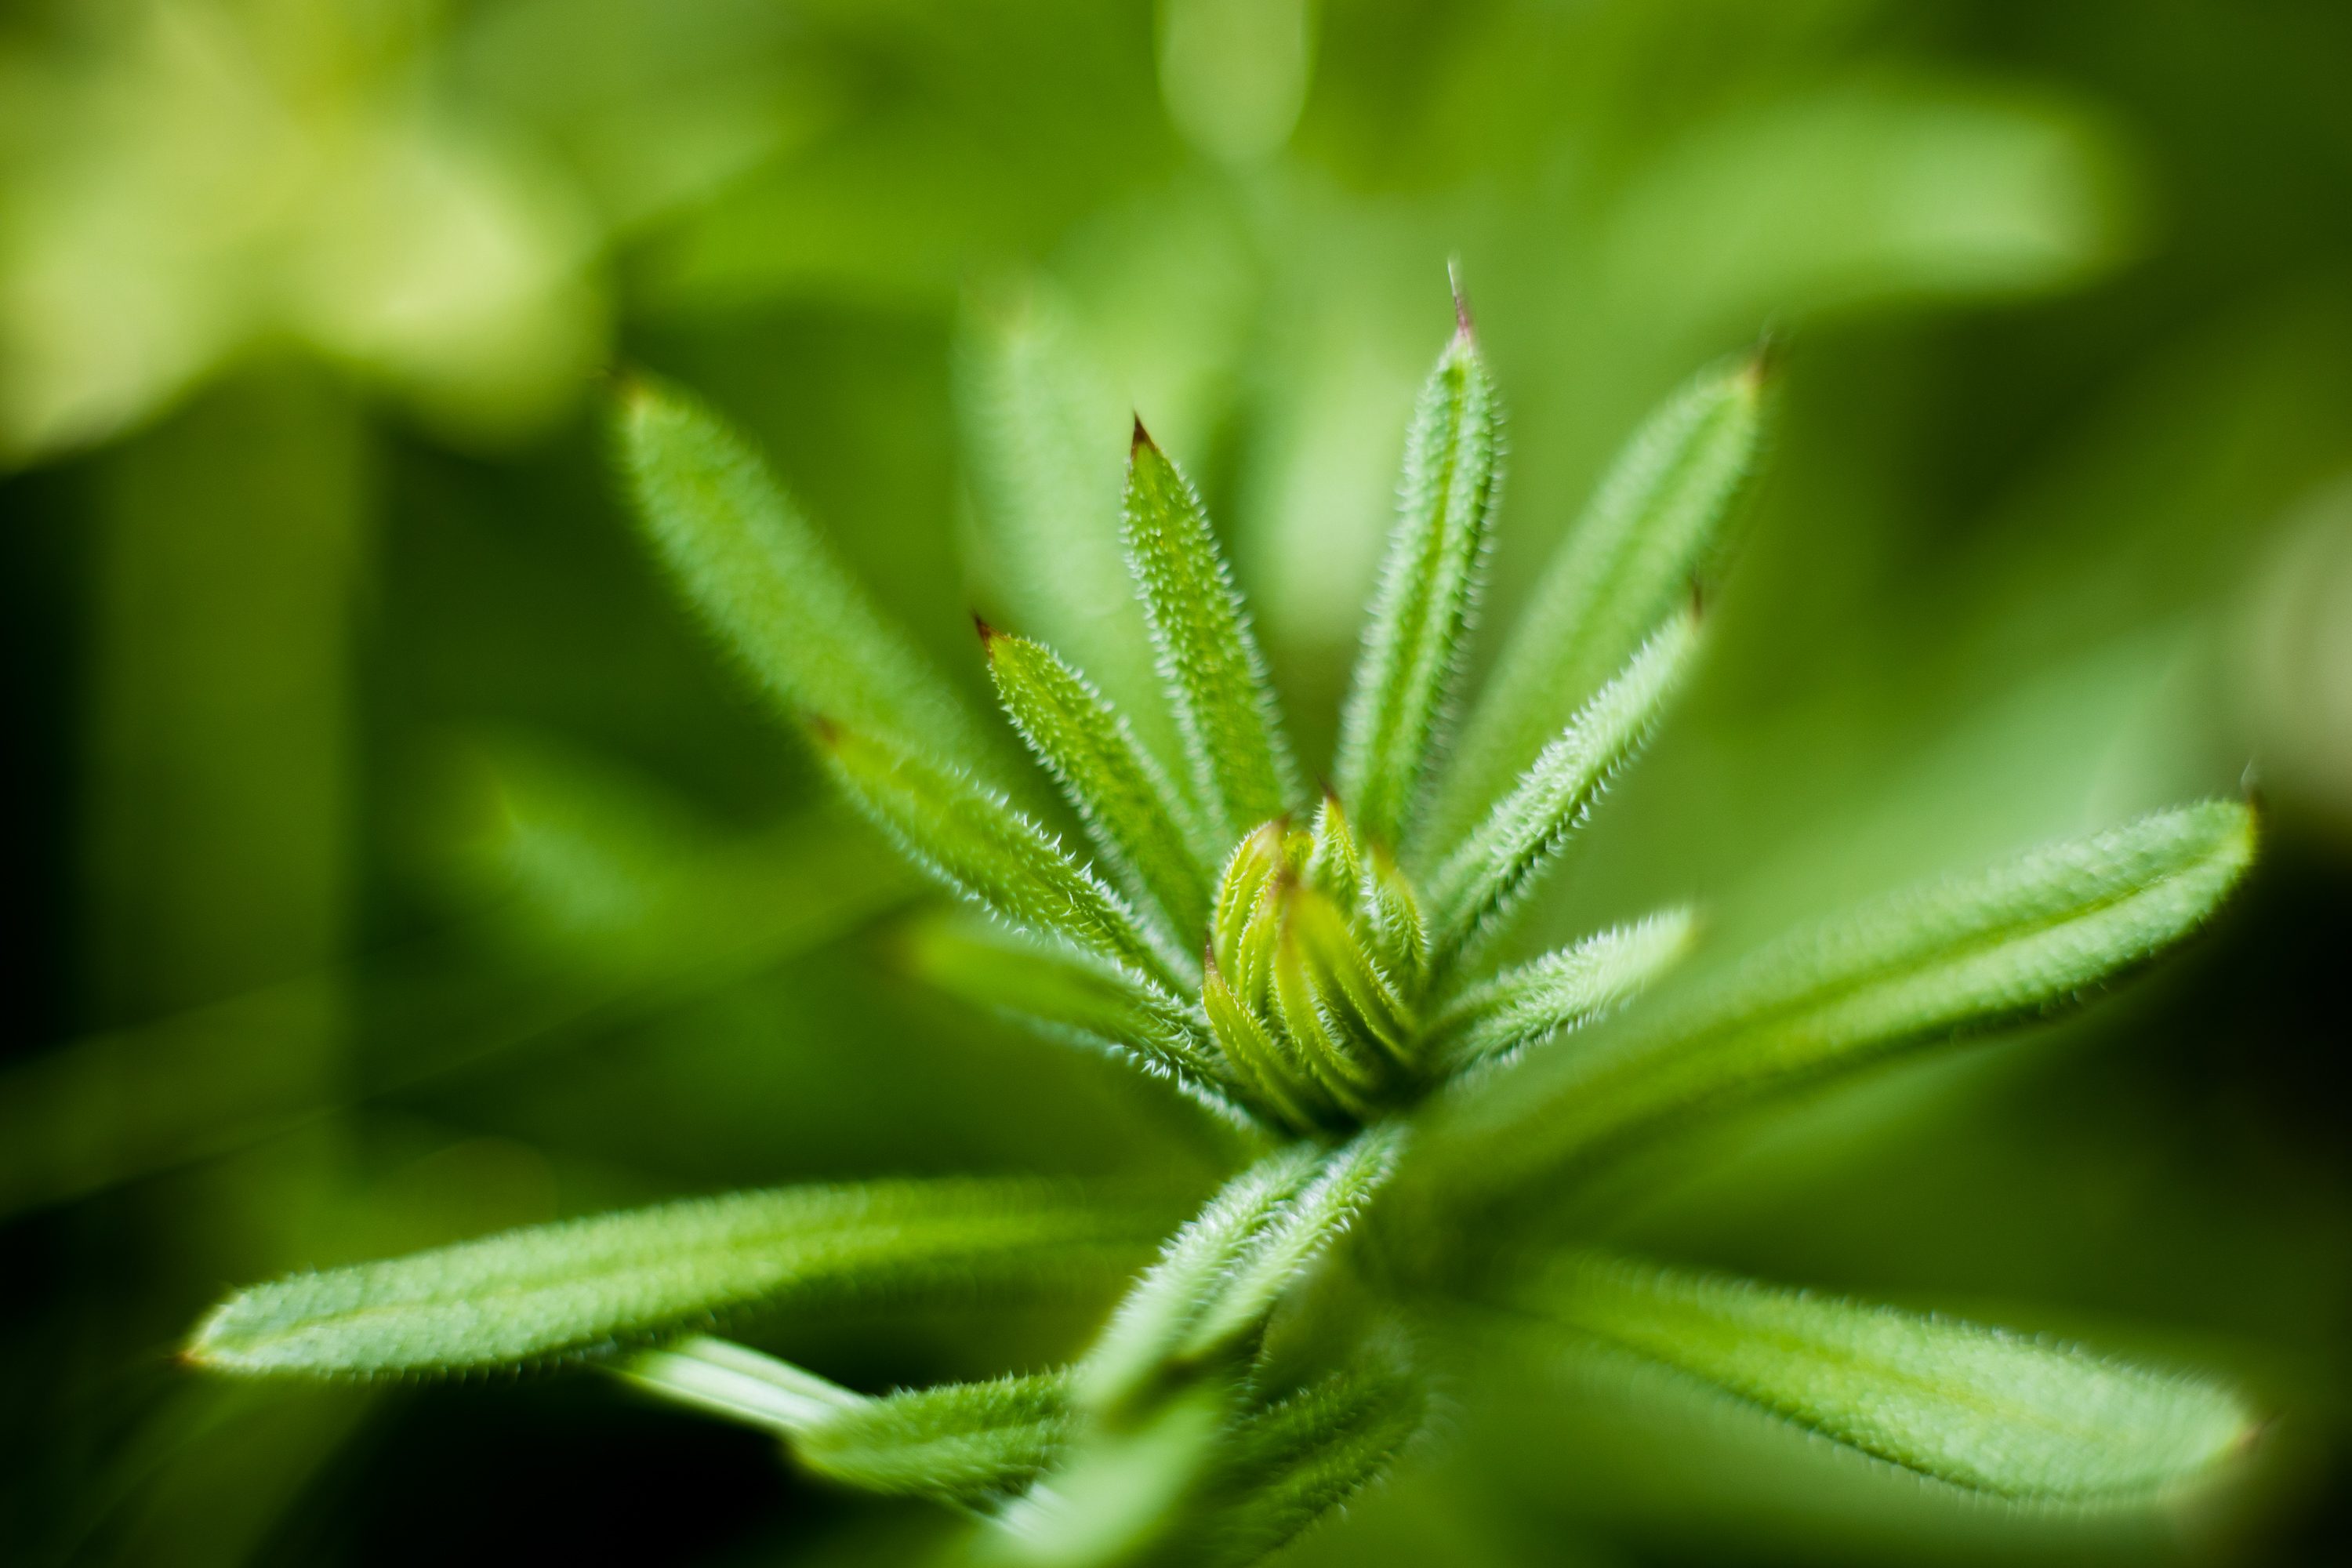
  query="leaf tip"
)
[
  {"x": 989, "y": 635},
  {"x": 1465, "y": 329},
  {"x": 1140, "y": 440}
]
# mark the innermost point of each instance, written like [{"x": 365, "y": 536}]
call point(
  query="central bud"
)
[{"x": 1314, "y": 972}]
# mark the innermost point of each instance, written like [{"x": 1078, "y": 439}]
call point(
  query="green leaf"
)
[
  {"x": 1221, "y": 1273},
  {"x": 722, "y": 1378},
  {"x": 1121, "y": 1493},
  {"x": 960, "y": 1441},
  {"x": 1127, "y": 804},
  {"x": 1406, "y": 674},
  {"x": 1209, "y": 662},
  {"x": 1135, "y": 1350},
  {"x": 1929, "y": 963},
  {"x": 551, "y": 1291},
  {"x": 1651, "y": 531},
  {"x": 1298, "y": 1458},
  {"x": 1043, "y": 426},
  {"x": 971, "y": 838},
  {"x": 773, "y": 591},
  {"x": 1560, "y": 991},
  {"x": 1489, "y": 869},
  {"x": 1301, "y": 1230},
  {"x": 1107, "y": 1005},
  {"x": 1976, "y": 1406}
]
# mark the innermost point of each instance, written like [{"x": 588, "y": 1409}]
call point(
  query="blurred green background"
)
[{"x": 393, "y": 862}]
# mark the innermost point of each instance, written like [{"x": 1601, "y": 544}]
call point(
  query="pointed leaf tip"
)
[
  {"x": 1463, "y": 327},
  {"x": 1141, "y": 438},
  {"x": 988, "y": 634}
]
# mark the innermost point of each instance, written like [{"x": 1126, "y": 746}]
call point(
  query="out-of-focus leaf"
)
[
  {"x": 1975, "y": 1406},
  {"x": 1298, "y": 1458},
  {"x": 1234, "y": 72},
  {"x": 619, "y": 906},
  {"x": 553, "y": 1290},
  {"x": 1869, "y": 195},
  {"x": 1128, "y": 803},
  {"x": 1489, "y": 869},
  {"x": 736, "y": 1382},
  {"x": 1928, "y": 964},
  {"x": 205, "y": 180},
  {"x": 1118, "y": 1495},
  {"x": 773, "y": 591},
  {"x": 971, "y": 838},
  {"x": 1559, "y": 991},
  {"x": 1041, "y": 429},
  {"x": 1429, "y": 591},
  {"x": 1649, "y": 534},
  {"x": 1208, "y": 661}
]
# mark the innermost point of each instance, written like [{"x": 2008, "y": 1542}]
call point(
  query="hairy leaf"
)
[
  {"x": 550, "y": 1290},
  {"x": 1975, "y": 1406},
  {"x": 1559, "y": 991},
  {"x": 1208, "y": 660},
  {"x": 964, "y": 1442},
  {"x": 776, "y": 592},
  {"x": 1298, "y": 1232},
  {"x": 1300, "y": 1457},
  {"x": 1953, "y": 956},
  {"x": 1108, "y": 1005},
  {"x": 1158, "y": 1313},
  {"x": 1218, "y": 1278},
  {"x": 958, "y": 1442},
  {"x": 1429, "y": 589},
  {"x": 1129, "y": 805},
  {"x": 971, "y": 838},
  {"x": 1650, "y": 532},
  {"x": 1491, "y": 867}
]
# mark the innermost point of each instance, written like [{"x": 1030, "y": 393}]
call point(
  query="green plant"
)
[{"x": 1320, "y": 975}]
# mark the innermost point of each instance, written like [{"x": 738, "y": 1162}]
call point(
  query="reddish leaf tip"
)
[{"x": 1464, "y": 327}]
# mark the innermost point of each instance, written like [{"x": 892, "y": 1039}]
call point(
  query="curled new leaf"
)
[
  {"x": 1952, "y": 956},
  {"x": 972, "y": 838},
  {"x": 1492, "y": 866},
  {"x": 1651, "y": 529},
  {"x": 1429, "y": 591},
  {"x": 550, "y": 1290},
  {"x": 774, "y": 591},
  {"x": 1975, "y": 1406},
  {"x": 1208, "y": 658}
]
